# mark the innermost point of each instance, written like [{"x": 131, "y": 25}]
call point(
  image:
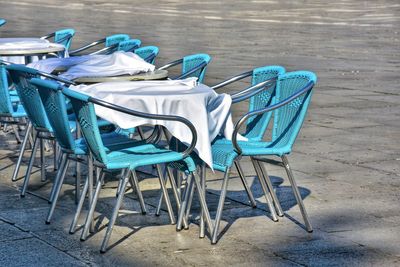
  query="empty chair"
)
[
  {"x": 192, "y": 66},
  {"x": 54, "y": 104},
  {"x": 293, "y": 95},
  {"x": 63, "y": 37},
  {"x": 130, "y": 158},
  {"x": 148, "y": 53},
  {"x": 110, "y": 44}
]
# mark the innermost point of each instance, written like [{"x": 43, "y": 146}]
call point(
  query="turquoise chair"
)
[
  {"x": 110, "y": 45},
  {"x": 33, "y": 106},
  {"x": 11, "y": 110},
  {"x": 63, "y": 37},
  {"x": 192, "y": 66},
  {"x": 148, "y": 53},
  {"x": 54, "y": 104},
  {"x": 130, "y": 158},
  {"x": 292, "y": 97},
  {"x": 129, "y": 45},
  {"x": 2, "y": 22}
]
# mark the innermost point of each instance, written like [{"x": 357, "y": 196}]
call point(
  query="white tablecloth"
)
[
  {"x": 208, "y": 111},
  {"x": 117, "y": 63},
  {"x": 23, "y": 44}
]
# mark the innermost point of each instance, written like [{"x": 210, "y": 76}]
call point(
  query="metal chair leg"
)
[
  {"x": 59, "y": 182},
  {"x": 93, "y": 203},
  {"x": 246, "y": 186},
  {"x": 165, "y": 194},
  {"x": 42, "y": 161},
  {"x": 176, "y": 194},
  {"x": 297, "y": 193},
  {"x": 78, "y": 210},
  {"x": 182, "y": 210},
  {"x": 214, "y": 237},
  {"x": 189, "y": 204},
  {"x": 21, "y": 152},
  {"x": 202, "y": 233},
  {"x": 267, "y": 192},
  {"x": 138, "y": 192},
  {"x": 55, "y": 151},
  {"x": 15, "y": 130},
  {"x": 114, "y": 215},
  {"x": 203, "y": 203},
  {"x": 28, "y": 171},
  {"x": 271, "y": 188},
  {"x": 78, "y": 181}
]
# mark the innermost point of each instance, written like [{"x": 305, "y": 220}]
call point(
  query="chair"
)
[
  {"x": 11, "y": 111},
  {"x": 293, "y": 95},
  {"x": 148, "y": 53},
  {"x": 129, "y": 45},
  {"x": 192, "y": 66},
  {"x": 54, "y": 104},
  {"x": 2, "y": 22},
  {"x": 131, "y": 158},
  {"x": 33, "y": 106},
  {"x": 110, "y": 45},
  {"x": 63, "y": 37}
]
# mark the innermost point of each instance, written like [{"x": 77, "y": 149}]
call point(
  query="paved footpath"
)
[{"x": 346, "y": 158}]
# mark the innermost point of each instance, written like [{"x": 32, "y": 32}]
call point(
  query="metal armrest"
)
[
  {"x": 153, "y": 117},
  {"x": 248, "y": 115},
  {"x": 66, "y": 37},
  {"x": 186, "y": 74},
  {"x": 252, "y": 90},
  {"x": 233, "y": 79},
  {"x": 150, "y": 57},
  {"x": 56, "y": 78},
  {"x": 171, "y": 64},
  {"x": 106, "y": 50},
  {"x": 48, "y": 36},
  {"x": 85, "y": 47}
]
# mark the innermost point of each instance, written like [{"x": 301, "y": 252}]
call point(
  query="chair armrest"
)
[
  {"x": 48, "y": 36},
  {"x": 66, "y": 37},
  {"x": 232, "y": 80},
  {"x": 150, "y": 57},
  {"x": 248, "y": 115},
  {"x": 152, "y": 117},
  {"x": 252, "y": 90},
  {"x": 171, "y": 64},
  {"x": 106, "y": 50},
  {"x": 56, "y": 78},
  {"x": 85, "y": 47}
]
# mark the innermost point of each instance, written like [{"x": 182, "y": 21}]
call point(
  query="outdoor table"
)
[
  {"x": 27, "y": 48},
  {"x": 208, "y": 111}
]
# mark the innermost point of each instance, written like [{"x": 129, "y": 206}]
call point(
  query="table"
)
[
  {"x": 208, "y": 111},
  {"x": 146, "y": 76},
  {"x": 27, "y": 48}
]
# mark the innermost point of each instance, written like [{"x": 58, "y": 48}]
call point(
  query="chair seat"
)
[
  {"x": 134, "y": 157},
  {"x": 224, "y": 154},
  {"x": 112, "y": 141},
  {"x": 18, "y": 112}
]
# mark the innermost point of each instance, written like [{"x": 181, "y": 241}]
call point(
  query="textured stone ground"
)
[{"x": 346, "y": 158}]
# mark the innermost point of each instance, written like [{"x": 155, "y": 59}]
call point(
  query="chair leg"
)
[
  {"x": 182, "y": 210},
  {"x": 138, "y": 191},
  {"x": 271, "y": 188},
  {"x": 78, "y": 181},
  {"x": 30, "y": 164},
  {"x": 202, "y": 233},
  {"x": 92, "y": 206},
  {"x": 59, "y": 182},
  {"x": 297, "y": 193},
  {"x": 165, "y": 194},
  {"x": 21, "y": 152},
  {"x": 55, "y": 151},
  {"x": 176, "y": 194},
  {"x": 15, "y": 130},
  {"x": 72, "y": 228},
  {"x": 160, "y": 201},
  {"x": 42, "y": 161},
  {"x": 114, "y": 215},
  {"x": 246, "y": 186},
  {"x": 120, "y": 182},
  {"x": 189, "y": 204},
  {"x": 203, "y": 203},
  {"x": 267, "y": 192},
  {"x": 221, "y": 203}
]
